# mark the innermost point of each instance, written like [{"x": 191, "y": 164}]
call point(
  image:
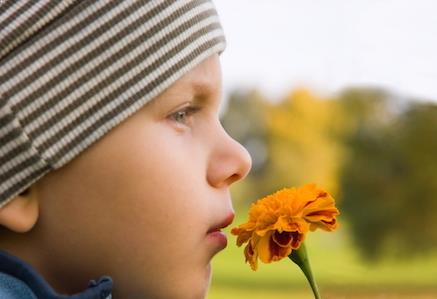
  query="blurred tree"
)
[
  {"x": 302, "y": 141},
  {"x": 418, "y": 145},
  {"x": 389, "y": 182},
  {"x": 291, "y": 143}
]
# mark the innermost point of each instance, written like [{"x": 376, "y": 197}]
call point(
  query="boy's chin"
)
[
  {"x": 202, "y": 285},
  {"x": 197, "y": 285}
]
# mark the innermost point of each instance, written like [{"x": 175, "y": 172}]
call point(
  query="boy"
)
[{"x": 114, "y": 164}]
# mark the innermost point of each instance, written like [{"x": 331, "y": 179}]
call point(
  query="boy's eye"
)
[{"x": 183, "y": 116}]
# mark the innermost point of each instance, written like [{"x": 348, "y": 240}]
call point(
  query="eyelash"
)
[{"x": 189, "y": 111}]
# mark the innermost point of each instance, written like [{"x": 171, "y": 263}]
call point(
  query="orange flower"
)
[{"x": 278, "y": 222}]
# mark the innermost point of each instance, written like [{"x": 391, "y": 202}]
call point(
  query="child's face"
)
[{"x": 138, "y": 204}]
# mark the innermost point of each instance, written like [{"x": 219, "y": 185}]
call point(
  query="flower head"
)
[{"x": 278, "y": 222}]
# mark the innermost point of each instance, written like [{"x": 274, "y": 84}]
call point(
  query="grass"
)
[{"x": 339, "y": 270}]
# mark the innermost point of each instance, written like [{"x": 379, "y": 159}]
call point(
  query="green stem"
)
[{"x": 300, "y": 257}]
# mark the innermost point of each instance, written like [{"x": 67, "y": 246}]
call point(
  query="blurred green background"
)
[{"x": 376, "y": 154}]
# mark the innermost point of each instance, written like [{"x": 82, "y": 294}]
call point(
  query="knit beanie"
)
[{"x": 72, "y": 70}]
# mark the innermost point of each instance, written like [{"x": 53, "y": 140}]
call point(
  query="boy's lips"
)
[
  {"x": 217, "y": 236},
  {"x": 225, "y": 222}
]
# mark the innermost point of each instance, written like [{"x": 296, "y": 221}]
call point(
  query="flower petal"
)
[
  {"x": 243, "y": 235},
  {"x": 269, "y": 250},
  {"x": 321, "y": 213},
  {"x": 283, "y": 239},
  {"x": 251, "y": 256},
  {"x": 263, "y": 248},
  {"x": 288, "y": 239}
]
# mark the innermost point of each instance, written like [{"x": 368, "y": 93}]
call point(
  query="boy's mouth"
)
[
  {"x": 225, "y": 222},
  {"x": 217, "y": 236}
]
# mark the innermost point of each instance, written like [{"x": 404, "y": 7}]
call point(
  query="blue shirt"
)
[{"x": 18, "y": 280}]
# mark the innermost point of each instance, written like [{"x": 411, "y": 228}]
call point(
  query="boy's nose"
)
[{"x": 230, "y": 161}]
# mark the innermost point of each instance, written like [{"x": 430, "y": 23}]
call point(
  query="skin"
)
[{"x": 137, "y": 204}]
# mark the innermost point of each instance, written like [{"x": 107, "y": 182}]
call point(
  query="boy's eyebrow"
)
[{"x": 203, "y": 87}]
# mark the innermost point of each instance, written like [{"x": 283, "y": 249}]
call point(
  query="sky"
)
[{"x": 279, "y": 45}]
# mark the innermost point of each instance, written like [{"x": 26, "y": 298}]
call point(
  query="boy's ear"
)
[{"x": 21, "y": 213}]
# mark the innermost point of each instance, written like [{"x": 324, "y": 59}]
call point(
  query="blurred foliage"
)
[
  {"x": 374, "y": 152},
  {"x": 389, "y": 182},
  {"x": 292, "y": 142}
]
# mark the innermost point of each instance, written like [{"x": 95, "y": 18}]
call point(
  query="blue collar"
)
[{"x": 11, "y": 265}]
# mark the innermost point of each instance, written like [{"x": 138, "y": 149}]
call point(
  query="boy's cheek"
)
[{"x": 148, "y": 213}]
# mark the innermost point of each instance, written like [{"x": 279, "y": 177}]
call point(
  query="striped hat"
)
[{"x": 72, "y": 70}]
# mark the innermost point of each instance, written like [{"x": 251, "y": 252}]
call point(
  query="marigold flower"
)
[{"x": 278, "y": 222}]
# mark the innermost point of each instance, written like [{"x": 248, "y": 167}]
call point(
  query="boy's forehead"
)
[
  {"x": 196, "y": 90},
  {"x": 204, "y": 79}
]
